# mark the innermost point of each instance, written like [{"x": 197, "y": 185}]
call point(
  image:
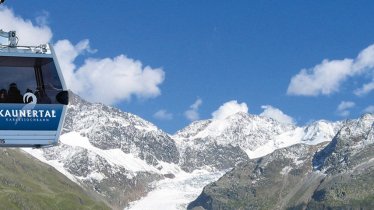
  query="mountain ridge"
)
[
  {"x": 121, "y": 157},
  {"x": 330, "y": 175},
  {"x": 116, "y": 155}
]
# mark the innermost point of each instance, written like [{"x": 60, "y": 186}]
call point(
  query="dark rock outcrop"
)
[{"x": 338, "y": 175}]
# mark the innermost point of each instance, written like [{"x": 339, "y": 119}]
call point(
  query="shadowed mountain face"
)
[
  {"x": 223, "y": 143},
  {"x": 119, "y": 156},
  {"x": 337, "y": 175},
  {"x": 348, "y": 162},
  {"x": 270, "y": 182},
  {"x": 26, "y": 183},
  {"x": 114, "y": 154},
  {"x": 109, "y": 128}
]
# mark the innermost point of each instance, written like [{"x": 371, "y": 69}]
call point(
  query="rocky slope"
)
[
  {"x": 348, "y": 162},
  {"x": 338, "y": 175},
  {"x": 26, "y": 183},
  {"x": 112, "y": 153},
  {"x": 121, "y": 157},
  {"x": 109, "y": 128},
  {"x": 223, "y": 143},
  {"x": 270, "y": 182}
]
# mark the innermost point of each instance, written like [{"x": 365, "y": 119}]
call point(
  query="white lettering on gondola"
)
[{"x": 28, "y": 113}]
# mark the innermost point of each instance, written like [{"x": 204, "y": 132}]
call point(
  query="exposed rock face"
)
[
  {"x": 212, "y": 155},
  {"x": 114, "y": 154},
  {"x": 348, "y": 162},
  {"x": 351, "y": 146},
  {"x": 336, "y": 176},
  {"x": 109, "y": 128},
  {"x": 241, "y": 129},
  {"x": 120, "y": 157},
  {"x": 223, "y": 143},
  {"x": 270, "y": 182}
]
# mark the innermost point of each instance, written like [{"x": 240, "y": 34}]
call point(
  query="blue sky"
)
[{"x": 202, "y": 54}]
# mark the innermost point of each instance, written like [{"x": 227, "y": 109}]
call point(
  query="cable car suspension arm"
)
[{"x": 11, "y": 36}]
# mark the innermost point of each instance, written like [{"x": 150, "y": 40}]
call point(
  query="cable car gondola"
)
[{"x": 33, "y": 95}]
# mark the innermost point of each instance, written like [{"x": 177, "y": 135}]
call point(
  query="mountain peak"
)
[
  {"x": 354, "y": 139},
  {"x": 233, "y": 128}
]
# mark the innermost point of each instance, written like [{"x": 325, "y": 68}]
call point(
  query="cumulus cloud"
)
[
  {"x": 344, "y": 108},
  {"x": 324, "y": 78},
  {"x": 365, "y": 59},
  {"x": 327, "y": 77},
  {"x": 228, "y": 109},
  {"x": 369, "y": 109},
  {"x": 192, "y": 114},
  {"x": 66, "y": 54},
  {"x": 163, "y": 115},
  {"x": 27, "y": 32},
  {"x": 276, "y": 114},
  {"x": 107, "y": 80}
]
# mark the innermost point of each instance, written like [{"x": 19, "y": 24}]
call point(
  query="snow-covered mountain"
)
[
  {"x": 222, "y": 143},
  {"x": 240, "y": 129},
  {"x": 352, "y": 144},
  {"x": 111, "y": 153},
  {"x": 330, "y": 175},
  {"x": 110, "y": 128},
  {"x": 122, "y": 157}
]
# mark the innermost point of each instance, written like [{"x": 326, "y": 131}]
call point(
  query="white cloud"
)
[
  {"x": 197, "y": 104},
  {"x": 327, "y": 77},
  {"x": 66, "y": 54},
  {"x": 107, "y": 80},
  {"x": 369, "y": 109},
  {"x": 365, "y": 59},
  {"x": 228, "y": 109},
  {"x": 192, "y": 114},
  {"x": 163, "y": 115},
  {"x": 366, "y": 88},
  {"x": 276, "y": 114},
  {"x": 343, "y": 108},
  {"x": 27, "y": 32},
  {"x": 346, "y": 105}
]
